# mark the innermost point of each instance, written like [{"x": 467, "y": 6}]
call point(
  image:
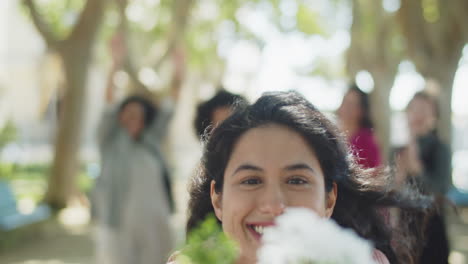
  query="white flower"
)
[{"x": 300, "y": 236}]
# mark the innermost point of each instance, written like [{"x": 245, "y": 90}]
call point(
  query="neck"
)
[
  {"x": 421, "y": 133},
  {"x": 245, "y": 260},
  {"x": 350, "y": 128}
]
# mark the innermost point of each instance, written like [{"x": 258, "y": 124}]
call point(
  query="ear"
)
[
  {"x": 216, "y": 201},
  {"x": 331, "y": 200}
]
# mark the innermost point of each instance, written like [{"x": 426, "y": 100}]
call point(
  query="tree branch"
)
[
  {"x": 454, "y": 34},
  {"x": 41, "y": 26},
  {"x": 92, "y": 12},
  {"x": 412, "y": 26},
  {"x": 169, "y": 49},
  {"x": 439, "y": 42},
  {"x": 180, "y": 15},
  {"x": 133, "y": 74},
  {"x": 128, "y": 65}
]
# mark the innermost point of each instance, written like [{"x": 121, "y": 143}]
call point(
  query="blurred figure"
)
[
  {"x": 426, "y": 161},
  {"x": 132, "y": 195},
  {"x": 354, "y": 116},
  {"x": 214, "y": 111},
  {"x": 133, "y": 199}
]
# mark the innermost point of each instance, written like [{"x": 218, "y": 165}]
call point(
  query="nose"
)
[{"x": 272, "y": 201}]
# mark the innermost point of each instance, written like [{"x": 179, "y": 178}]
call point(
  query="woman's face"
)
[
  {"x": 271, "y": 167},
  {"x": 421, "y": 116},
  {"x": 132, "y": 119},
  {"x": 350, "y": 110}
]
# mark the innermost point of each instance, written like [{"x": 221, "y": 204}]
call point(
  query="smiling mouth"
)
[{"x": 257, "y": 230}]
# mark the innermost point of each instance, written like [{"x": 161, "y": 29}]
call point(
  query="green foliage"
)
[
  {"x": 60, "y": 15},
  {"x": 27, "y": 181},
  {"x": 6, "y": 171},
  {"x": 30, "y": 180},
  {"x": 228, "y": 9},
  {"x": 430, "y": 10},
  {"x": 7, "y": 134},
  {"x": 201, "y": 35},
  {"x": 201, "y": 46},
  {"x": 208, "y": 244},
  {"x": 307, "y": 21},
  {"x": 85, "y": 182}
]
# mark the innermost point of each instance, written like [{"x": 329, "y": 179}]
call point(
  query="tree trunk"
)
[
  {"x": 444, "y": 77},
  {"x": 62, "y": 182},
  {"x": 435, "y": 47},
  {"x": 372, "y": 48},
  {"x": 381, "y": 111},
  {"x": 76, "y": 54},
  {"x": 444, "y": 125}
]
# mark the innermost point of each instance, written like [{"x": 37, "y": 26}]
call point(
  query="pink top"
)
[
  {"x": 365, "y": 148},
  {"x": 380, "y": 257}
]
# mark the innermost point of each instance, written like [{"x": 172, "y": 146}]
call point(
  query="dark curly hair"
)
[
  {"x": 361, "y": 193},
  {"x": 149, "y": 110},
  {"x": 364, "y": 103},
  {"x": 206, "y": 109}
]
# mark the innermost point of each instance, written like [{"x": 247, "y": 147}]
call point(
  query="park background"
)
[{"x": 55, "y": 61}]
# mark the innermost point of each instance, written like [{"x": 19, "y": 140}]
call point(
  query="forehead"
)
[
  {"x": 419, "y": 104},
  {"x": 271, "y": 146},
  {"x": 134, "y": 106}
]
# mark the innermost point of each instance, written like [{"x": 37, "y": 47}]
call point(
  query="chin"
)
[{"x": 243, "y": 259}]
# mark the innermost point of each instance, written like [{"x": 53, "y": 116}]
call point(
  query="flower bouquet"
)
[
  {"x": 302, "y": 237},
  {"x": 298, "y": 237}
]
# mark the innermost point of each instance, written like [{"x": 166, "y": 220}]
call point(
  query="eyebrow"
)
[
  {"x": 247, "y": 167},
  {"x": 299, "y": 166}
]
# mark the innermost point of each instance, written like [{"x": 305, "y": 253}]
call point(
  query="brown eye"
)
[
  {"x": 251, "y": 181},
  {"x": 297, "y": 181}
]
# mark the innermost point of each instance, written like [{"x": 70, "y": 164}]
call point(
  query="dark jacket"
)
[{"x": 436, "y": 161}]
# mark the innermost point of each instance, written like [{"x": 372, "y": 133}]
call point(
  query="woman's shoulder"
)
[
  {"x": 365, "y": 132},
  {"x": 380, "y": 257},
  {"x": 364, "y": 136}
]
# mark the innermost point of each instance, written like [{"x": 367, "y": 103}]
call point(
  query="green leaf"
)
[
  {"x": 307, "y": 21},
  {"x": 7, "y": 134},
  {"x": 60, "y": 15},
  {"x": 208, "y": 244}
]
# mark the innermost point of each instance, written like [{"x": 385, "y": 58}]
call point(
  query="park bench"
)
[{"x": 11, "y": 218}]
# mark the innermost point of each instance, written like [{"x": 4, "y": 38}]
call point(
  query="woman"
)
[
  {"x": 133, "y": 199},
  {"x": 354, "y": 114},
  {"x": 426, "y": 161},
  {"x": 282, "y": 152},
  {"x": 215, "y": 110}
]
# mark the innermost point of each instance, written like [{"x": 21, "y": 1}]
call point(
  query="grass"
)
[{"x": 30, "y": 181}]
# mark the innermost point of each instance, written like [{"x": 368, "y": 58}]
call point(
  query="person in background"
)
[
  {"x": 132, "y": 195},
  {"x": 355, "y": 120},
  {"x": 426, "y": 161},
  {"x": 214, "y": 111}
]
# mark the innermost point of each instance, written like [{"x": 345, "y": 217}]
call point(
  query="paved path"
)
[{"x": 56, "y": 245}]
